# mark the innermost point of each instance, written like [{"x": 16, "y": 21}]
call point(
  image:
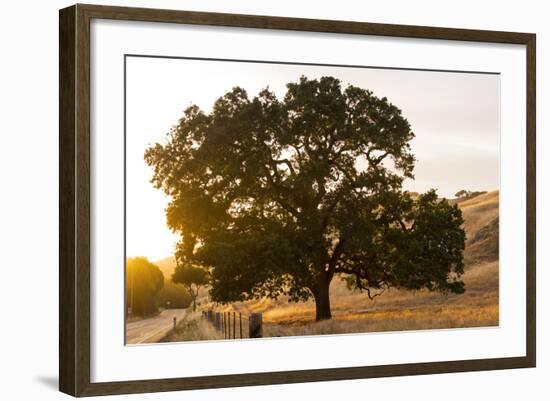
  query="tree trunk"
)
[{"x": 322, "y": 299}]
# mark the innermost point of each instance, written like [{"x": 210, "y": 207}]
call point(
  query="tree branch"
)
[
  {"x": 345, "y": 270},
  {"x": 330, "y": 209},
  {"x": 377, "y": 160},
  {"x": 278, "y": 197},
  {"x": 371, "y": 297},
  {"x": 338, "y": 249},
  {"x": 287, "y": 162}
]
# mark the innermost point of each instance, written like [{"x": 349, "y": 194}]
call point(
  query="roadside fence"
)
[{"x": 234, "y": 324}]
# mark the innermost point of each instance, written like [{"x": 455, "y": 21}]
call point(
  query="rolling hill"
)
[
  {"x": 166, "y": 266},
  {"x": 481, "y": 223}
]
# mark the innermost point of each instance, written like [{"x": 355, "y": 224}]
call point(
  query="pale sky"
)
[{"x": 455, "y": 117}]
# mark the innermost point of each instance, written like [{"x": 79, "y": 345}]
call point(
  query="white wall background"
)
[{"x": 28, "y": 197}]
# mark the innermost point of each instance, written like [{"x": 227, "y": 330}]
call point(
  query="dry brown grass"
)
[
  {"x": 481, "y": 220},
  {"x": 479, "y": 211},
  {"x": 392, "y": 320},
  {"x": 192, "y": 328},
  {"x": 395, "y": 310}
]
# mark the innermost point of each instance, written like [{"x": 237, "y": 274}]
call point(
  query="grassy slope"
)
[
  {"x": 401, "y": 310},
  {"x": 166, "y": 266},
  {"x": 481, "y": 225}
]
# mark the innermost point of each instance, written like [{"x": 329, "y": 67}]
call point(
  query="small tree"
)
[
  {"x": 192, "y": 278},
  {"x": 144, "y": 280},
  {"x": 463, "y": 193},
  {"x": 174, "y": 296}
]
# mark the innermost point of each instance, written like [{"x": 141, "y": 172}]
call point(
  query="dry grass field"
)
[
  {"x": 397, "y": 310},
  {"x": 192, "y": 328}
]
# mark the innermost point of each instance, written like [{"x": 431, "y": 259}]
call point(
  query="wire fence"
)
[{"x": 233, "y": 325}]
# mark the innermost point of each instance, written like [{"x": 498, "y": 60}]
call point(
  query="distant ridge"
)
[{"x": 167, "y": 266}]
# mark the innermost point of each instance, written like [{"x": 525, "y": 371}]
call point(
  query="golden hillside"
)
[
  {"x": 167, "y": 266},
  {"x": 481, "y": 222}
]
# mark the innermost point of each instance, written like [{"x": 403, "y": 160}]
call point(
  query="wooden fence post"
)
[
  {"x": 234, "y": 325},
  {"x": 255, "y": 329},
  {"x": 218, "y": 321},
  {"x": 224, "y": 325},
  {"x": 241, "y": 324}
]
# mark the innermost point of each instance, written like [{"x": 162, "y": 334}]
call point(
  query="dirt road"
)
[{"x": 151, "y": 330}]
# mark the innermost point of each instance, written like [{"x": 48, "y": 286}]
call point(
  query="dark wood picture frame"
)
[{"x": 74, "y": 199}]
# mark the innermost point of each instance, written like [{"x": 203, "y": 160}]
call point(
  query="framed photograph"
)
[{"x": 250, "y": 200}]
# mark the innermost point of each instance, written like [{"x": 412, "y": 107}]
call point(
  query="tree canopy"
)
[
  {"x": 143, "y": 282},
  {"x": 462, "y": 194},
  {"x": 277, "y": 196},
  {"x": 192, "y": 278}
]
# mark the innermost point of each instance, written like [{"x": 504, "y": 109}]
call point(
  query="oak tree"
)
[{"x": 279, "y": 196}]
